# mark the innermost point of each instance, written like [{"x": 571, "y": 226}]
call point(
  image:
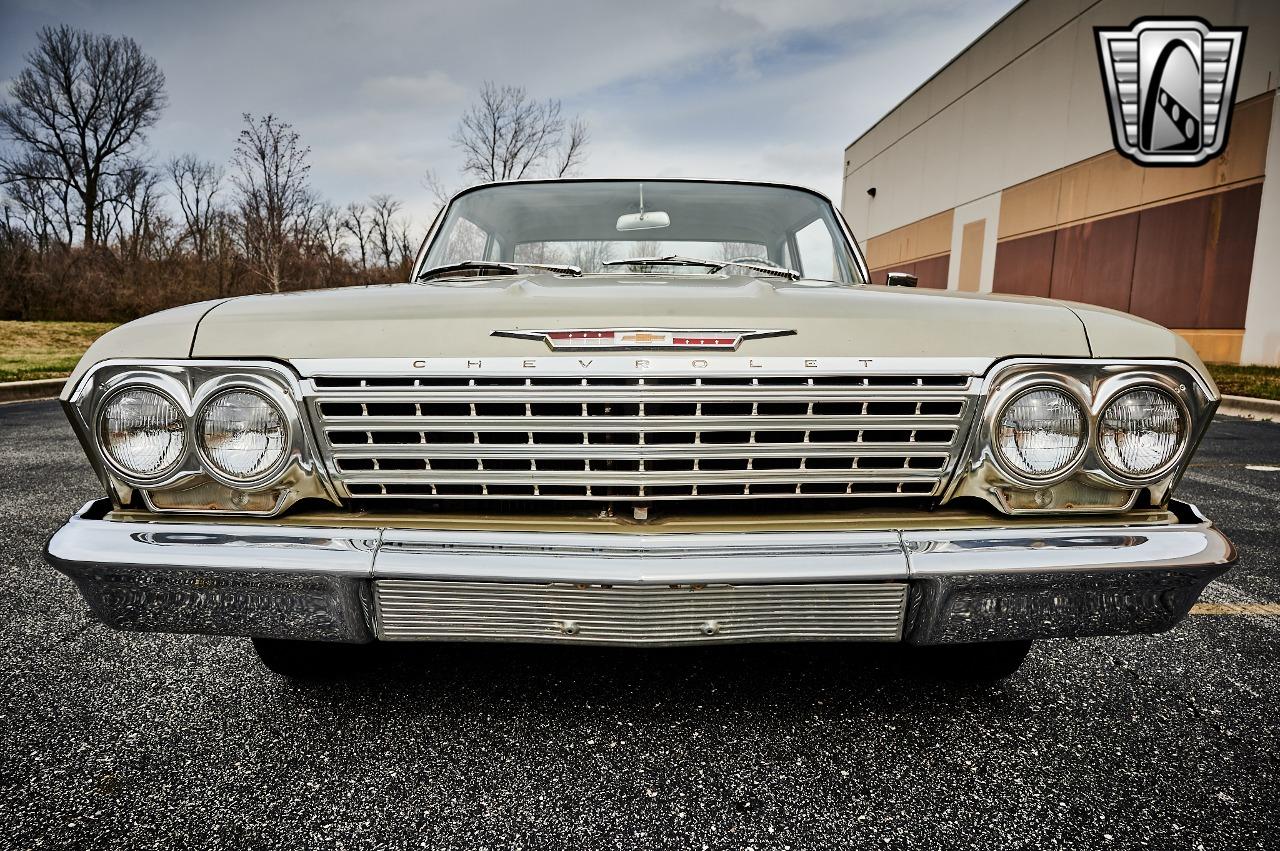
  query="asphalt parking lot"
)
[{"x": 117, "y": 740}]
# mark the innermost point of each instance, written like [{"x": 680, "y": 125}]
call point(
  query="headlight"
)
[
  {"x": 1040, "y": 433},
  {"x": 142, "y": 432},
  {"x": 242, "y": 434},
  {"x": 1140, "y": 432}
]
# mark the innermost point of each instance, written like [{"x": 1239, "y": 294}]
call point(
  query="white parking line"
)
[{"x": 1232, "y": 485}]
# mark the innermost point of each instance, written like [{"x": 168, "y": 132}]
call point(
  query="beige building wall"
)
[{"x": 1011, "y": 141}]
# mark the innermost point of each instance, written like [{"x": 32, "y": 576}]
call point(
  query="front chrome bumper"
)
[{"x": 934, "y": 586}]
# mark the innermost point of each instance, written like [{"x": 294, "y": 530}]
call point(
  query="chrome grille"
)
[
  {"x": 419, "y": 610},
  {"x": 650, "y": 438}
]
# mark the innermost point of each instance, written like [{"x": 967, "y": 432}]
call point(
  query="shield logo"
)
[{"x": 1170, "y": 83}]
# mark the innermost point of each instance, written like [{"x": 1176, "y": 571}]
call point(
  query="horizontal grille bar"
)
[
  {"x": 730, "y": 490},
  {"x": 647, "y": 452},
  {"x": 607, "y": 438},
  {"x": 421, "y": 610},
  {"x": 551, "y": 382},
  {"x": 522, "y": 422}
]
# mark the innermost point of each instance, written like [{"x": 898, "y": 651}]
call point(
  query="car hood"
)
[{"x": 459, "y": 319}]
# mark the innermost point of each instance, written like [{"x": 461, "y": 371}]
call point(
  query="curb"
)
[
  {"x": 1250, "y": 408},
  {"x": 21, "y": 391}
]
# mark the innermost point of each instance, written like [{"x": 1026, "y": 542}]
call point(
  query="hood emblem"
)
[{"x": 623, "y": 339}]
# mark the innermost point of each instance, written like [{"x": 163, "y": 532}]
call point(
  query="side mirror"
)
[{"x": 902, "y": 279}]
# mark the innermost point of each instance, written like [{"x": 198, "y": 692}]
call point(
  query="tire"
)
[
  {"x": 988, "y": 661},
  {"x": 306, "y": 660}
]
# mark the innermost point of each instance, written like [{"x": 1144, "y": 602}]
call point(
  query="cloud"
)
[
  {"x": 434, "y": 89},
  {"x": 716, "y": 88}
]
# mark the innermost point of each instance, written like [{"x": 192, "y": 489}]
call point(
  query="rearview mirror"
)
[
  {"x": 644, "y": 221},
  {"x": 901, "y": 279}
]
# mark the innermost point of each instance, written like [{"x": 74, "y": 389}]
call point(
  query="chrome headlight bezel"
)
[
  {"x": 1094, "y": 384},
  {"x": 1007, "y": 466},
  {"x": 1175, "y": 459},
  {"x": 191, "y": 385},
  {"x": 165, "y": 390},
  {"x": 269, "y": 475}
]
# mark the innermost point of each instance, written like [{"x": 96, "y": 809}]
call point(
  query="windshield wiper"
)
[
  {"x": 479, "y": 267},
  {"x": 766, "y": 267},
  {"x": 670, "y": 260},
  {"x": 714, "y": 265}
]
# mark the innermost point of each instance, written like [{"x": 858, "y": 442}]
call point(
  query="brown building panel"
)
[
  {"x": 1224, "y": 302},
  {"x": 1024, "y": 266},
  {"x": 932, "y": 272},
  {"x": 1194, "y": 259},
  {"x": 1093, "y": 262}
]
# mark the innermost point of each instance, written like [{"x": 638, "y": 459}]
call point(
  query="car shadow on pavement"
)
[{"x": 428, "y": 677}]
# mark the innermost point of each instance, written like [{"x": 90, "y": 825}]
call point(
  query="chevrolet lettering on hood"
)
[
  {"x": 641, "y": 413},
  {"x": 630, "y": 339}
]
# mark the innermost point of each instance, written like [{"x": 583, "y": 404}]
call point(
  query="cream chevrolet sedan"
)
[{"x": 659, "y": 412}]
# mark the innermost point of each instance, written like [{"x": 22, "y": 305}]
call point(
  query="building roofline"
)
[{"x": 935, "y": 74}]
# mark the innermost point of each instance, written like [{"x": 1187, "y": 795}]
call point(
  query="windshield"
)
[{"x": 600, "y": 225}]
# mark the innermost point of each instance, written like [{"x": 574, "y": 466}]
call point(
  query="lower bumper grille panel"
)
[{"x": 423, "y": 610}]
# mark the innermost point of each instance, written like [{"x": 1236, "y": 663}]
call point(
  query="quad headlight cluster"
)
[
  {"x": 1043, "y": 432},
  {"x": 200, "y": 437},
  {"x": 240, "y": 434},
  {"x": 1085, "y": 435}
]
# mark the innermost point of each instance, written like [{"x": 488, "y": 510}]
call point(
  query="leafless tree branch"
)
[{"x": 80, "y": 107}]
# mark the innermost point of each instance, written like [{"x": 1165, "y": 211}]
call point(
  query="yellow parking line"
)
[{"x": 1236, "y": 609}]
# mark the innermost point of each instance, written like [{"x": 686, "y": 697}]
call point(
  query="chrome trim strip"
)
[
  {"x": 212, "y": 546},
  {"x": 1008, "y": 552},
  {"x": 741, "y": 558},
  {"x": 595, "y": 344},
  {"x": 642, "y": 423},
  {"x": 578, "y": 364}
]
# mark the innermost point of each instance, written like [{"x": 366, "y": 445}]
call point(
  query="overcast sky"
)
[{"x": 712, "y": 88}]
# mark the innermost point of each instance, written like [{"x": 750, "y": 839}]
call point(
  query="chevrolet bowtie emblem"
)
[{"x": 621, "y": 339}]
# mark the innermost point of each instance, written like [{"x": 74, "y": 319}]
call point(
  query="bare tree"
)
[
  {"x": 275, "y": 200},
  {"x": 507, "y": 135},
  {"x": 129, "y": 211},
  {"x": 35, "y": 205},
  {"x": 573, "y": 151},
  {"x": 78, "y": 111},
  {"x": 405, "y": 244},
  {"x": 357, "y": 224},
  {"x": 195, "y": 184},
  {"x": 329, "y": 228},
  {"x": 440, "y": 192},
  {"x": 382, "y": 225}
]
